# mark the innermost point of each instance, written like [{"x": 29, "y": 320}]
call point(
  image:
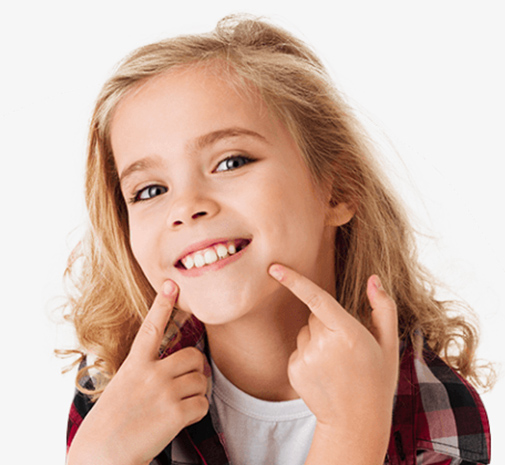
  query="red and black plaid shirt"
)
[{"x": 438, "y": 418}]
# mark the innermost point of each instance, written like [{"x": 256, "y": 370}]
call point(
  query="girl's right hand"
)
[{"x": 148, "y": 402}]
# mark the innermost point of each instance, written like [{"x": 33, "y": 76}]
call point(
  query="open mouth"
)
[{"x": 212, "y": 254}]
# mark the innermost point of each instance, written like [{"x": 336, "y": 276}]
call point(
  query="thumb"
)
[{"x": 384, "y": 315}]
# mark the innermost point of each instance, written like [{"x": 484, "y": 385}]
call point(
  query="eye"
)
[
  {"x": 148, "y": 192},
  {"x": 234, "y": 162}
]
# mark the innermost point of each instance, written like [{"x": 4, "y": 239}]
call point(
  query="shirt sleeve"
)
[
  {"x": 428, "y": 457},
  {"x": 81, "y": 406},
  {"x": 439, "y": 418}
]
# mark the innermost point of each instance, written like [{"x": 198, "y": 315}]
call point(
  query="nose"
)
[{"x": 190, "y": 207}]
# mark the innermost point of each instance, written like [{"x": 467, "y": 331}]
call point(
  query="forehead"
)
[{"x": 185, "y": 102}]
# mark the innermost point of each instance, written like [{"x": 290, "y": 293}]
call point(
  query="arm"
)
[
  {"x": 128, "y": 424},
  {"x": 346, "y": 374},
  {"x": 344, "y": 447}
]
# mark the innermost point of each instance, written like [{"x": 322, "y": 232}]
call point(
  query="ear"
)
[{"x": 340, "y": 214}]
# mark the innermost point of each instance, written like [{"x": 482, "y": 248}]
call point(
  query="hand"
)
[
  {"x": 346, "y": 374},
  {"x": 148, "y": 402}
]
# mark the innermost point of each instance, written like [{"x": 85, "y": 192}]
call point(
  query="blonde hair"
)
[{"x": 113, "y": 295}]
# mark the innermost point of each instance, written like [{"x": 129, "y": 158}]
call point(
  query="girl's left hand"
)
[{"x": 346, "y": 374}]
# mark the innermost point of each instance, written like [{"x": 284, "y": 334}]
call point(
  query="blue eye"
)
[
  {"x": 234, "y": 162},
  {"x": 148, "y": 192}
]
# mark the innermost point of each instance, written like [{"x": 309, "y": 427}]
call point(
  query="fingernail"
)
[
  {"x": 377, "y": 283},
  {"x": 276, "y": 272},
  {"x": 168, "y": 288}
]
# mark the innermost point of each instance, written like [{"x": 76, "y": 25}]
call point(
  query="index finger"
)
[
  {"x": 321, "y": 303},
  {"x": 150, "y": 335}
]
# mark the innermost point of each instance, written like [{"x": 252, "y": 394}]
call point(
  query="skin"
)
[
  {"x": 272, "y": 201},
  {"x": 128, "y": 426},
  {"x": 274, "y": 332},
  {"x": 346, "y": 374}
]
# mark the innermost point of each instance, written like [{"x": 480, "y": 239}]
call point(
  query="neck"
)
[{"x": 253, "y": 352}]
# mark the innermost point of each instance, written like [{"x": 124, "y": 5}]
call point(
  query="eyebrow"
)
[
  {"x": 200, "y": 143},
  {"x": 215, "y": 136},
  {"x": 140, "y": 165}
]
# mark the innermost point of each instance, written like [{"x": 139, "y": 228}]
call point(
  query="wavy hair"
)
[{"x": 111, "y": 294}]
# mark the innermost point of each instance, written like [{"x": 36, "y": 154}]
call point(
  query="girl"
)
[{"x": 238, "y": 230}]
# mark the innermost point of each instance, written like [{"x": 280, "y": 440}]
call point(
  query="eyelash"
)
[
  {"x": 236, "y": 157},
  {"x": 136, "y": 197}
]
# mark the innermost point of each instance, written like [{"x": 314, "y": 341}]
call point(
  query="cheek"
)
[
  {"x": 142, "y": 246},
  {"x": 296, "y": 230}
]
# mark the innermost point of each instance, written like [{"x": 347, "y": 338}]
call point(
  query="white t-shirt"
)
[{"x": 261, "y": 432}]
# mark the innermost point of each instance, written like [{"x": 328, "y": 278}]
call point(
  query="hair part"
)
[{"x": 114, "y": 295}]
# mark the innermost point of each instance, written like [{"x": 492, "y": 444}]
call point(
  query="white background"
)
[{"x": 427, "y": 74}]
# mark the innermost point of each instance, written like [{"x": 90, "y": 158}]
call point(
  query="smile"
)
[{"x": 212, "y": 254}]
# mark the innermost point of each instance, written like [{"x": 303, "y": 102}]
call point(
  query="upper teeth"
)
[{"x": 209, "y": 255}]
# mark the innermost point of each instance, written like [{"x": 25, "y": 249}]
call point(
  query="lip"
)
[{"x": 194, "y": 272}]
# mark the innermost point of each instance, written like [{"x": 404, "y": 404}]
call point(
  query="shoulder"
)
[{"x": 437, "y": 412}]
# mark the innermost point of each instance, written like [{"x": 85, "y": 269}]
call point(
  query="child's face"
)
[{"x": 170, "y": 139}]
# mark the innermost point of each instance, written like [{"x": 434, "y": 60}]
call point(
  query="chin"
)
[
  {"x": 220, "y": 306},
  {"x": 211, "y": 309},
  {"x": 212, "y": 313}
]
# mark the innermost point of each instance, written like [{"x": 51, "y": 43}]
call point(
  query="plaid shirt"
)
[{"x": 438, "y": 418}]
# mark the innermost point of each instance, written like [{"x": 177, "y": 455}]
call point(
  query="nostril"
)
[{"x": 196, "y": 215}]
